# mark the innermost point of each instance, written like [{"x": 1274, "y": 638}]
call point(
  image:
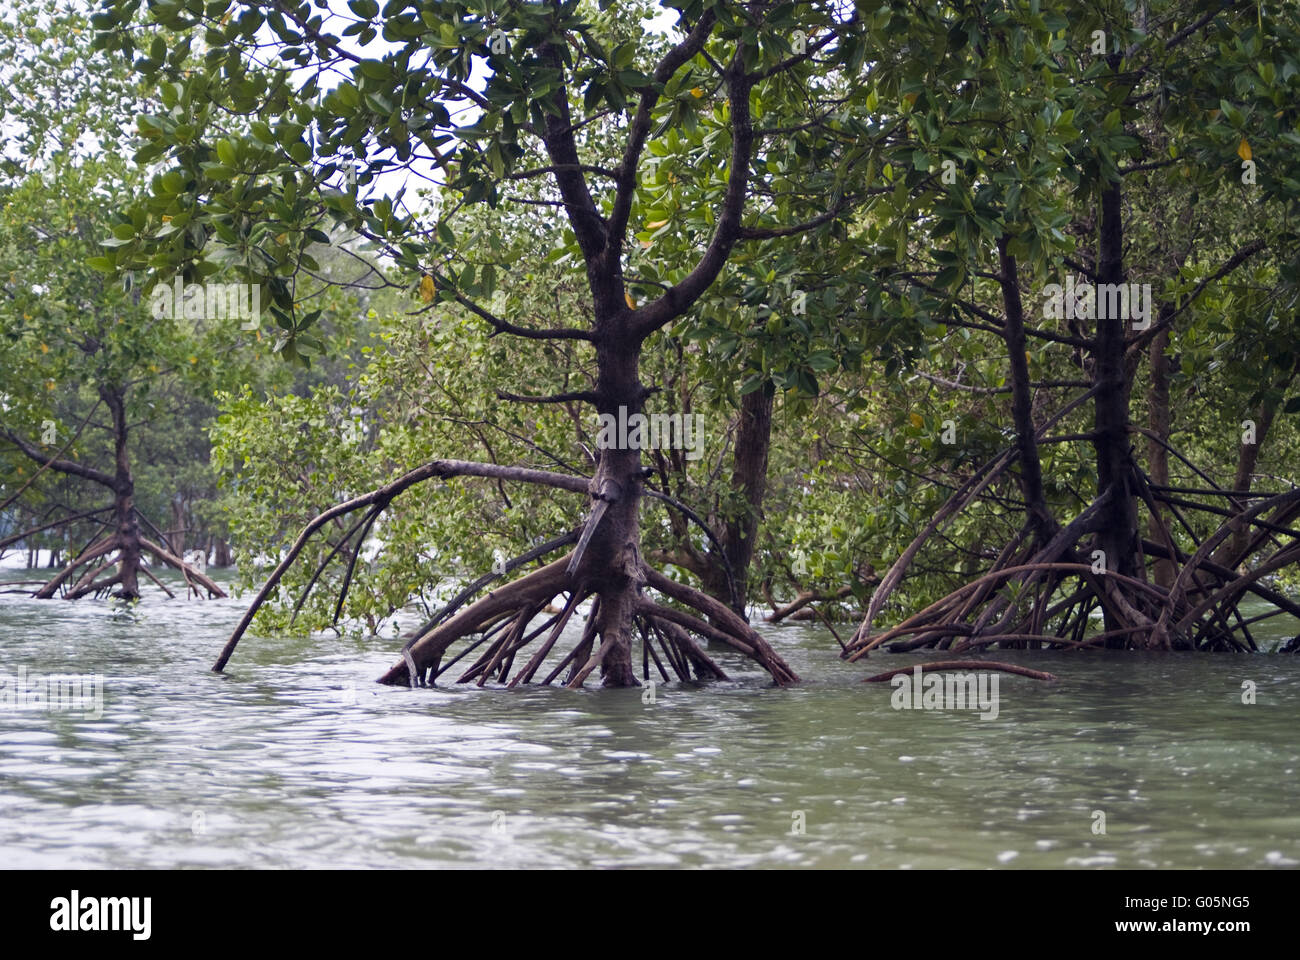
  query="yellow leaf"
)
[
  {"x": 916, "y": 420},
  {"x": 194, "y": 360},
  {"x": 696, "y": 92},
  {"x": 911, "y": 99},
  {"x": 1243, "y": 149},
  {"x": 631, "y": 304},
  {"x": 656, "y": 225},
  {"x": 1028, "y": 358},
  {"x": 166, "y": 218},
  {"x": 44, "y": 348},
  {"x": 427, "y": 288}
]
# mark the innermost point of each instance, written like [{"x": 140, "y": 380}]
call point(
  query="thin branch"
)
[{"x": 440, "y": 469}]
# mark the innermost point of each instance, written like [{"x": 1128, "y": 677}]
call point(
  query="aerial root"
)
[
  {"x": 116, "y": 546},
  {"x": 92, "y": 552},
  {"x": 497, "y": 629},
  {"x": 193, "y": 578},
  {"x": 1046, "y": 596}
]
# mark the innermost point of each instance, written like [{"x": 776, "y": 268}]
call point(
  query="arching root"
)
[{"x": 501, "y": 619}]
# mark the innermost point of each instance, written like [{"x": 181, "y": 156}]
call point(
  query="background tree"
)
[
  {"x": 1067, "y": 142},
  {"x": 84, "y": 352}
]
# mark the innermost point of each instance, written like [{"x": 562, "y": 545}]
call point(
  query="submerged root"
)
[
  {"x": 497, "y": 626},
  {"x": 994, "y": 665},
  {"x": 1046, "y": 598},
  {"x": 124, "y": 554}
]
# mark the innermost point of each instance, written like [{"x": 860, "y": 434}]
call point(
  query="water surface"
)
[{"x": 295, "y": 758}]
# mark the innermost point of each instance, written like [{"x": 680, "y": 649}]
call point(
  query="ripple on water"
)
[{"x": 295, "y": 758}]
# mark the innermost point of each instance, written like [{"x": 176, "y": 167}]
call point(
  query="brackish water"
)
[{"x": 295, "y": 758}]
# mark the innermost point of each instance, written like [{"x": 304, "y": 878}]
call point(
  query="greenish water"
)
[{"x": 295, "y": 758}]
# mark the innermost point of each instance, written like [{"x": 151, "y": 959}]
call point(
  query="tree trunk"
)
[
  {"x": 128, "y": 531},
  {"x": 1041, "y": 520},
  {"x": 749, "y": 479},
  {"x": 1158, "y": 421},
  {"x": 177, "y": 536},
  {"x": 1247, "y": 457},
  {"x": 1117, "y": 524},
  {"x": 612, "y": 563}
]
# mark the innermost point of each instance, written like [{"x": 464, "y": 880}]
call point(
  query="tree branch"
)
[
  {"x": 683, "y": 294},
  {"x": 384, "y": 494},
  {"x": 586, "y": 396},
  {"x": 57, "y": 465},
  {"x": 625, "y": 174}
]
